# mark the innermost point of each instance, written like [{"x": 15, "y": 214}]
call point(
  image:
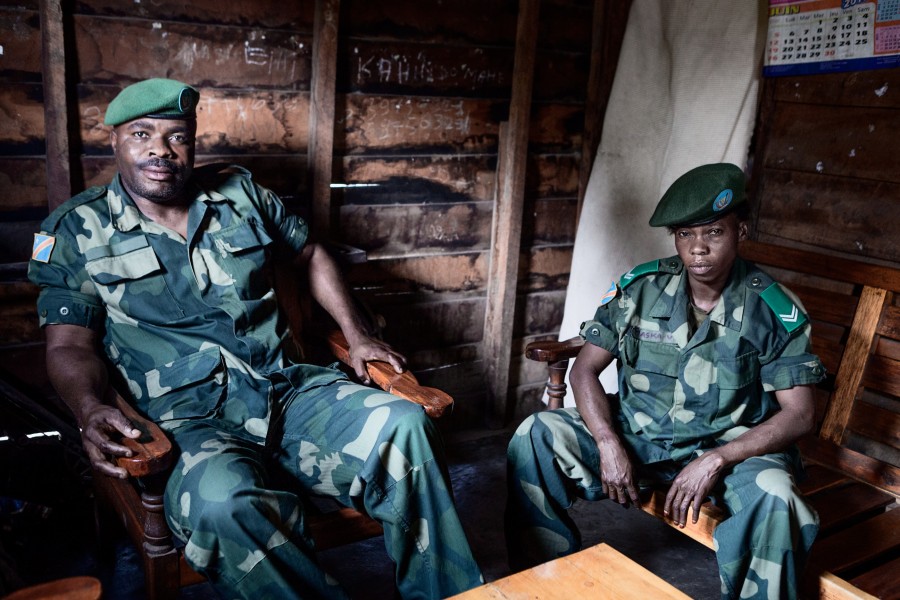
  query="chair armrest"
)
[
  {"x": 552, "y": 352},
  {"x": 404, "y": 385},
  {"x": 152, "y": 451}
]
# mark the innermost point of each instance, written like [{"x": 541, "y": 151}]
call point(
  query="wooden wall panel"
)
[
  {"x": 386, "y": 231},
  {"x": 296, "y": 14},
  {"x": 21, "y": 119},
  {"x": 438, "y": 273},
  {"x": 465, "y": 21},
  {"x": 20, "y": 33},
  {"x": 24, "y": 185},
  {"x": 418, "y": 179},
  {"x": 124, "y": 50},
  {"x": 386, "y": 124},
  {"x": 830, "y": 212},
  {"x": 829, "y": 175}
]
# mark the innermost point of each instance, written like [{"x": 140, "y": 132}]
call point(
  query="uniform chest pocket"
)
[
  {"x": 242, "y": 251},
  {"x": 654, "y": 357},
  {"x": 132, "y": 284},
  {"x": 738, "y": 372}
]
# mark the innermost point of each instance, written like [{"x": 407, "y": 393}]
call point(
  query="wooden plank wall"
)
[
  {"x": 828, "y": 171},
  {"x": 421, "y": 90}
]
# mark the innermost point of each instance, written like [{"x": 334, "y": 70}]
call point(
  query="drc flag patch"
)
[
  {"x": 43, "y": 247},
  {"x": 609, "y": 295}
]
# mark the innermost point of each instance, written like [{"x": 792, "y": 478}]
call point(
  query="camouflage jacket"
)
[
  {"x": 189, "y": 323},
  {"x": 681, "y": 394}
]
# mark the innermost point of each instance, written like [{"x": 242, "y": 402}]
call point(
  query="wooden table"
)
[{"x": 596, "y": 572}]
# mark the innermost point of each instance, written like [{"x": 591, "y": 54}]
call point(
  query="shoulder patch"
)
[
  {"x": 607, "y": 297},
  {"x": 784, "y": 308},
  {"x": 42, "y": 247},
  {"x": 637, "y": 272}
]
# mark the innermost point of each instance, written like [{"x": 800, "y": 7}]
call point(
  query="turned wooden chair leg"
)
[
  {"x": 556, "y": 386},
  {"x": 161, "y": 560}
]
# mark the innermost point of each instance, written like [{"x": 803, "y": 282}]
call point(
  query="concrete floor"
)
[{"x": 477, "y": 463}]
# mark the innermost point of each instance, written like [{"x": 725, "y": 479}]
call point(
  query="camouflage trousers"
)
[
  {"x": 761, "y": 547},
  {"x": 368, "y": 449}
]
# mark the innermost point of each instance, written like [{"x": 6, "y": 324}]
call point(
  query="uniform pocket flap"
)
[
  {"x": 243, "y": 236},
  {"x": 111, "y": 270},
  {"x": 184, "y": 372}
]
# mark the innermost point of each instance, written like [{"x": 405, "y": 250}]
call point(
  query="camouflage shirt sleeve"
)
[
  {"x": 67, "y": 295},
  {"x": 601, "y": 330}
]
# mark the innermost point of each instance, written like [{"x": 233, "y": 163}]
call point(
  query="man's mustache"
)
[{"x": 160, "y": 163}]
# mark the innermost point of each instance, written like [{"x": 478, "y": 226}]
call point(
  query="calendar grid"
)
[{"x": 832, "y": 35}]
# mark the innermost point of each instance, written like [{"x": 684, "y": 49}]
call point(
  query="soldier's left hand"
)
[
  {"x": 369, "y": 349},
  {"x": 692, "y": 486}
]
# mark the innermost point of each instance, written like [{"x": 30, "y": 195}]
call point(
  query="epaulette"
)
[
  {"x": 638, "y": 272},
  {"x": 88, "y": 195},
  {"x": 787, "y": 311}
]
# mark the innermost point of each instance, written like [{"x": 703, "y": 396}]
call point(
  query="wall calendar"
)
[{"x": 828, "y": 36}]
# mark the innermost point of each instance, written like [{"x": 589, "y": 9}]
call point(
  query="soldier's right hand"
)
[
  {"x": 616, "y": 473},
  {"x": 99, "y": 426}
]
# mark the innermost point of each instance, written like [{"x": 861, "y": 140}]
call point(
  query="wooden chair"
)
[{"x": 138, "y": 501}]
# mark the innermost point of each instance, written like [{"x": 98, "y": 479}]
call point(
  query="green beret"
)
[
  {"x": 700, "y": 196},
  {"x": 155, "y": 98}
]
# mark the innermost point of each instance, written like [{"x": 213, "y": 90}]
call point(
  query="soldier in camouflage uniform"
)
[
  {"x": 715, "y": 376},
  {"x": 167, "y": 272}
]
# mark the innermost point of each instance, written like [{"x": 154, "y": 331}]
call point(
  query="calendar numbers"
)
[{"x": 822, "y": 35}]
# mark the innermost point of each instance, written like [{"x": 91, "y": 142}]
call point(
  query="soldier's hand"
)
[
  {"x": 692, "y": 486},
  {"x": 99, "y": 425},
  {"x": 368, "y": 349},
  {"x": 616, "y": 473}
]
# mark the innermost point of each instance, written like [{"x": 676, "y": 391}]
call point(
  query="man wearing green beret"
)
[
  {"x": 715, "y": 382},
  {"x": 166, "y": 273}
]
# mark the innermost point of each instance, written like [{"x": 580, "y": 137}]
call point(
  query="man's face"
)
[
  {"x": 708, "y": 251},
  {"x": 155, "y": 157}
]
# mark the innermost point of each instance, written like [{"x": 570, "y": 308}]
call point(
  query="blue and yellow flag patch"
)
[
  {"x": 43, "y": 247},
  {"x": 609, "y": 295}
]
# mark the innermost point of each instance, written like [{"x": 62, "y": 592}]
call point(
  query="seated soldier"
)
[
  {"x": 166, "y": 272},
  {"x": 715, "y": 382}
]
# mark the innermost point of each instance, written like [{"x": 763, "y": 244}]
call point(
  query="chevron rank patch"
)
[
  {"x": 609, "y": 295},
  {"x": 783, "y": 307},
  {"x": 42, "y": 248}
]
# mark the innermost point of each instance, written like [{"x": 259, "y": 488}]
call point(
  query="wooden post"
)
[
  {"x": 321, "y": 114},
  {"x": 608, "y": 30},
  {"x": 56, "y": 122},
  {"x": 507, "y": 224}
]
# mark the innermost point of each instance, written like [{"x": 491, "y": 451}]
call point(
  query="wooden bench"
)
[{"x": 852, "y": 461}]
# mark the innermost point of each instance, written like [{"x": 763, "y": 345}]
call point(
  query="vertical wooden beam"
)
[
  {"x": 593, "y": 112},
  {"x": 321, "y": 114},
  {"x": 507, "y": 224},
  {"x": 608, "y": 30},
  {"x": 56, "y": 121},
  {"x": 853, "y": 362}
]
